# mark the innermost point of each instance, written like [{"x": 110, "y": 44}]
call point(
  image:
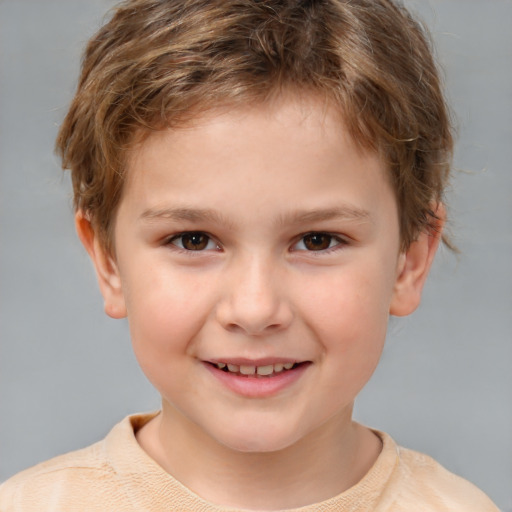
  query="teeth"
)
[
  {"x": 266, "y": 370},
  {"x": 249, "y": 370},
  {"x": 255, "y": 370}
]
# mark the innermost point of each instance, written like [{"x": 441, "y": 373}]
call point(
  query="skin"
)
[{"x": 254, "y": 183}]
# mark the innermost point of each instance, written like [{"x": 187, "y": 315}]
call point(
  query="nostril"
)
[
  {"x": 253, "y": 330},
  {"x": 253, "y": 314}
]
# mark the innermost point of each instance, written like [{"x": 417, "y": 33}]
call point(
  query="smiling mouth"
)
[{"x": 263, "y": 371}]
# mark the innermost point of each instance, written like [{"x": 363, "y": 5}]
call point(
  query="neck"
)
[{"x": 319, "y": 466}]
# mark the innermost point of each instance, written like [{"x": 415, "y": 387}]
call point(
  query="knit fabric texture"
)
[{"x": 115, "y": 474}]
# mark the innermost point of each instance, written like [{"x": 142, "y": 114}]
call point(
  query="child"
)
[{"x": 259, "y": 186}]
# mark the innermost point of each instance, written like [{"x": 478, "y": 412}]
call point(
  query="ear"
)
[
  {"x": 414, "y": 265},
  {"x": 105, "y": 266}
]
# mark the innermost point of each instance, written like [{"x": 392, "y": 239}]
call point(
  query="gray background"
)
[{"x": 67, "y": 373}]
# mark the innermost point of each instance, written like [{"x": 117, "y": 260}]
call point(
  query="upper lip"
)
[{"x": 264, "y": 361}]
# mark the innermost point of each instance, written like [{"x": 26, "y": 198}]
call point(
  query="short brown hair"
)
[{"x": 157, "y": 63}]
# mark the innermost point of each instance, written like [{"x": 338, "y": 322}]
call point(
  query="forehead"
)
[
  {"x": 315, "y": 120},
  {"x": 293, "y": 148}
]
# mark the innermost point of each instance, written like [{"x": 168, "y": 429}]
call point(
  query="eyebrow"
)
[
  {"x": 185, "y": 214},
  {"x": 350, "y": 213}
]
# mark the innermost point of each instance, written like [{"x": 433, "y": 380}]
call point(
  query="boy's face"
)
[{"x": 255, "y": 239}]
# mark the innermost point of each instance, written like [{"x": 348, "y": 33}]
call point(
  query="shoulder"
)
[
  {"x": 418, "y": 478},
  {"x": 87, "y": 479},
  {"x": 56, "y": 480}
]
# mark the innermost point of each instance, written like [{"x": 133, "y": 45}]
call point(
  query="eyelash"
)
[
  {"x": 171, "y": 240},
  {"x": 339, "y": 242}
]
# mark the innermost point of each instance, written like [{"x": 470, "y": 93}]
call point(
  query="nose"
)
[{"x": 254, "y": 299}]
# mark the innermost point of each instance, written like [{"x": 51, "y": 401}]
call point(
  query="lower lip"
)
[{"x": 258, "y": 387}]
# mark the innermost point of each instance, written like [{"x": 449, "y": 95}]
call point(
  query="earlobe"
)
[
  {"x": 106, "y": 268},
  {"x": 413, "y": 267}
]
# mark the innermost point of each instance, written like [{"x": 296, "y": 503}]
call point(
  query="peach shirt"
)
[{"x": 116, "y": 475}]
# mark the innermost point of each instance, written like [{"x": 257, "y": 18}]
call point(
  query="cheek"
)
[
  {"x": 165, "y": 311},
  {"x": 348, "y": 314},
  {"x": 348, "y": 303}
]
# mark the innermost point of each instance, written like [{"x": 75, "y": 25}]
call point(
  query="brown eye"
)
[
  {"x": 193, "y": 241},
  {"x": 317, "y": 241}
]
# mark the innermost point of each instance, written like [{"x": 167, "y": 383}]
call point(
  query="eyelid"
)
[
  {"x": 341, "y": 242},
  {"x": 168, "y": 241}
]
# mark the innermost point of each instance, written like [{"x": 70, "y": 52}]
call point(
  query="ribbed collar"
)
[{"x": 149, "y": 487}]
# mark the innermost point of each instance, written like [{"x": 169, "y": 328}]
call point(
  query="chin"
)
[
  {"x": 257, "y": 445},
  {"x": 258, "y": 439}
]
